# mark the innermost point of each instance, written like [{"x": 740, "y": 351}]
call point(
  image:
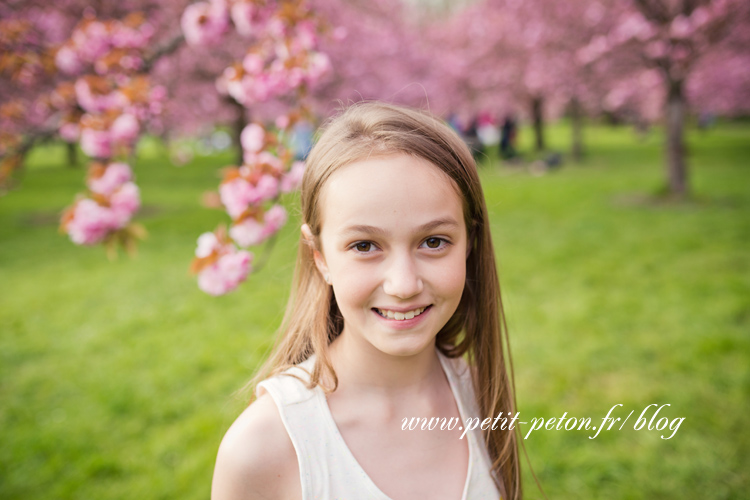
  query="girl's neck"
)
[{"x": 361, "y": 366}]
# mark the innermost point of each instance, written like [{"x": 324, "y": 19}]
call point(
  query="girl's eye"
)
[
  {"x": 363, "y": 246},
  {"x": 435, "y": 243}
]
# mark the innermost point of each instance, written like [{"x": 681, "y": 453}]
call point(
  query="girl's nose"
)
[{"x": 402, "y": 278}]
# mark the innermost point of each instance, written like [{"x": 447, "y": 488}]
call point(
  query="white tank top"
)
[{"x": 328, "y": 469}]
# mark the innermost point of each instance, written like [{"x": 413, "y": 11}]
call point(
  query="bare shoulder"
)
[{"x": 256, "y": 459}]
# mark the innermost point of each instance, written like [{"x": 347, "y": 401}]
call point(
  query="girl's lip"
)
[
  {"x": 403, "y": 309},
  {"x": 403, "y": 324}
]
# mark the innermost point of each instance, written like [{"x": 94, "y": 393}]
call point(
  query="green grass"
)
[{"x": 117, "y": 378}]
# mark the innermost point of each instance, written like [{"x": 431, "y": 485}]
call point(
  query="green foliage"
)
[{"x": 118, "y": 378}]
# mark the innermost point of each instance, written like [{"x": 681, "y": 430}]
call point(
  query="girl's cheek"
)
[
  {"x": 356, "y": 282},
  {"x": 452, "y": 273}
]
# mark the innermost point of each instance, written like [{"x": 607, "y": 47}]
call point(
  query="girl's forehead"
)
[{"x": 384, "y": 187}]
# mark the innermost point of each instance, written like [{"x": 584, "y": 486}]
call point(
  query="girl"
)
[{"x": 395, "y": 314}]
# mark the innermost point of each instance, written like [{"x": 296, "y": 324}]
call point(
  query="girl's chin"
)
[{"x": 405, "y": 347}]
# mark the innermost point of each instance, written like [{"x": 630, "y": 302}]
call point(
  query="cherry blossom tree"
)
[
  {"x": 281, "y": 60},
  {"x": 662, "y": 46},
  {"x": 98, "y": 89}
]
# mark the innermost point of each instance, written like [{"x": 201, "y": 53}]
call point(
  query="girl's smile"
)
[
  {"x": 402, "y": 320},
  {"x": 393, "y": 241}
]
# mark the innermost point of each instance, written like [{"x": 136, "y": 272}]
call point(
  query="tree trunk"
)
[
  {"x": 536, "y": 114},
  {"x": 675, "y": 117},
  {"x": 576, "y": 122},
  {"x": 239, "y": 124},
  {"x": 72, "y": 154}
]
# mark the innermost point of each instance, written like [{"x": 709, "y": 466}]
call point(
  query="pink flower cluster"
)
[
  {"x": 93, "y": 39},
  {"x": 204, "y": 23},
  {"x": 660, "y": 40},
  {"x": 100, "y": 143},
  {"x": 282, "y": 60},
  {"x": 249, "y": 18},
  {"x": 275, "y": 73},
  {"x": 240, "y": 193},
  {"x": 111, "y": 135},
  {"x": 261, "y": 179},
  {"x": 115, "y": 201},
  {"x": 228, "y": 267},
  {"x": 93, "y": 102},
  {"x": 293, "y": 178},
  {"x": 250, "y": 231},
  {"x": 114, "y": 177}
]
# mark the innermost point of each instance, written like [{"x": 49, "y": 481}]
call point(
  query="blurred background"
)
[{"x": 613, "y": 142}]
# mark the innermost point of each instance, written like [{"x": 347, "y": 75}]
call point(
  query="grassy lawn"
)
[{"x": 118, "y": 378}]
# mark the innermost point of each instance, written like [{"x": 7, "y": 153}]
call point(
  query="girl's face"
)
[{"x": 394, "y": 243}]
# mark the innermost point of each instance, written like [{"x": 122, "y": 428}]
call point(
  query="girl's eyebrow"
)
[{"x": 363, "y": 228}]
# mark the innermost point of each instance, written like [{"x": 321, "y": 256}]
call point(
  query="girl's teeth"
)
[{"x": 399, "y": 316}]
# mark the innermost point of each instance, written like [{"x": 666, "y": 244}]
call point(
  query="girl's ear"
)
[{"x": 320, "y": 261}]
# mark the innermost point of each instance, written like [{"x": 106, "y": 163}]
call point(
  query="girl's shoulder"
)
[
  {"x": 289, "y": 388},
  {"x": 256, "y": 458}
]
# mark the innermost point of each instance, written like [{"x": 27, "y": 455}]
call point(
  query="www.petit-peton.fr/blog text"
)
[{"x": 648, "y": 420}]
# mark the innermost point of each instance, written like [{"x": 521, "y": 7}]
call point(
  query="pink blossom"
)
[
  {"x": 131, "y": 38},
  {"x": 155, "y": 108},
  {"x": 250, "y": 232},
  {"x": 115, "y": 175},
  {"x": 266, "y": 158},
  {"x": 282, "y": 121},
  {"x": 236, "y": 195},
  {"x": 253, "y": 138},
  {"x": 293, "y": 178},
  {"x": 204, "y": 23},
  {"x": 656, "y": 49},
  {"x": 267, "y": 187},
  {"x": 340, "y": 33},
  {"x": 96, "y": 143},
  {"x": 253, "y": 63},
  {"x": 319, "y": 65},
  {"x": 234, "y": 88},
  {"x": 207, "y": 244},
  {"x": 70, "y": 132},
  {"x": 124, "y": 202},
  {"x": 91, "y": 222},
  {"x": 131, "y": 62},
  {"x": 91, "y": 42},
  {"x": 616, "y": 97},
  {"x": 96, "y": 103},
  {"x": 633, "y": 26},
  {"x": 67, "y": 60},
  {"x": 700, "y": 16},
  {"x": 247, "y": 18},
  {"x": 294, "y": 77},
  {"x": 224, "y": 275},
  {"x": 222, "y": 83},
  {"x": 306, "y": 37},
  {"x": 125, "y": 129},
  {"x": 681, "y": 27},
  {"x": 275, "y": 218},
  {"x": 158, "y": 93},
  {"x": 247, "y": 233},
  {"x": 276, "y": 28}
]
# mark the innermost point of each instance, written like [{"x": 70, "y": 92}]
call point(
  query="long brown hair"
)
[{"x": 477, "y": 329}]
